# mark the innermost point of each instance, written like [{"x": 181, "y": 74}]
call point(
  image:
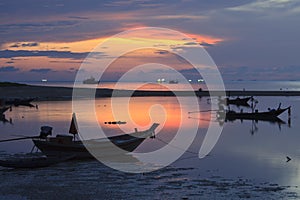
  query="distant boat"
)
[
  {"x": 173, "y": 82},
  {"x": 44, "y": 80},
  {"x": 64, "y": 144},
  {"x": 20, "y": 102},
  {"x": 90, "y": 80}
]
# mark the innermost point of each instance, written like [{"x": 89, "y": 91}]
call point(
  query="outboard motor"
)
[{"x": 45, "y": 131}]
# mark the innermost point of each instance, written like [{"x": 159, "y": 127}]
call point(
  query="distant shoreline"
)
[{"x": 51, "y": 93}]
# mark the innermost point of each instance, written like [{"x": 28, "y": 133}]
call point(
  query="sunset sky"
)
[{"x": 247, "y": 39}]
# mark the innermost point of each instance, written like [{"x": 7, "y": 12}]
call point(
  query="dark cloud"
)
[
  {"x": 42, "y": 71},
  {"x": 162, "y": 52},
  {"x": 78, "y": 17},
  {"x": 37, "y": 25},
  {"x": 39, "y": 31},
  {"x": 190, "y": 43},
  {"x": 29, "y": 44},
  {"x": 9, "y": 69},
  {"x": 63, "y": 61},
  {"x": 205, "y": 44},
  {"x": 50, "y": 54},
  {"x": 14, "y": 45}
]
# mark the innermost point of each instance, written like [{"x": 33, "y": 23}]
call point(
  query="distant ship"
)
[
  {"x": 173, "y": 81},
  {"x": 91, "y": 80}
]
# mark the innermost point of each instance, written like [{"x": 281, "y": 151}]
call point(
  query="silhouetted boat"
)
[
  {"x": 64, "y": 144},
  {"x": 173, "y": 82},
  {"x": 33, "y": 162},
  {"x": 90, "y": 80},
  {"x": 20, "y": 102},
  {"x": 3, "y": 110},
  {"x": 267, "y": 116}
]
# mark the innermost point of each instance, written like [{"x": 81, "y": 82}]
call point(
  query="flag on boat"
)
[{"x": 73, "y": 127}]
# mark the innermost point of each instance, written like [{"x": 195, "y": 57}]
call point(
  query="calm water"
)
[{"x": 248, "y": 161}]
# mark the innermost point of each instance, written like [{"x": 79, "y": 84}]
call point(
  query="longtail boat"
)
[
  {"x": 271, "y": 114},
  {"x": 66, "y": 144}
]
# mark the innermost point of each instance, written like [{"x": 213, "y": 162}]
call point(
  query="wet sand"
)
[{"x": 47, "y": 93}]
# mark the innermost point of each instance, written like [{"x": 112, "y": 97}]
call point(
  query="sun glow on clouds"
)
[
  {"x": 63, "y": 64},
  {"x": 88, "y": 45}
]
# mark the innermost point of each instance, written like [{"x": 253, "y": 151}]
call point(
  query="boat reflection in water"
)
[{"x": 236, "y": 101}]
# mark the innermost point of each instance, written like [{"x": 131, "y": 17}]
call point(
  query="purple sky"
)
[{"x": 260, "y": 39}]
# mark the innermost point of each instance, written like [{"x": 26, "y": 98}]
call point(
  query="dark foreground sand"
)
[{"x": 44, "y": 93}]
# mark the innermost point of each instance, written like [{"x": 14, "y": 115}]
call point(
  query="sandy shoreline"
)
[{"x": 47, "y": 93}]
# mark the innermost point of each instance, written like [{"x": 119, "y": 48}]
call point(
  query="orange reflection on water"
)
[{"x": 141, "y": 112}]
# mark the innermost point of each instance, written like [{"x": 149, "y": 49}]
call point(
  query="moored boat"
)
[
  {"x": 20, "y": 102},
  {"x": 66, "y": 145},
  {"x": 267, "y": 115}
]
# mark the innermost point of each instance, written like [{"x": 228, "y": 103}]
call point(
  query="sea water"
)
[{"x": 248, "y": 160}]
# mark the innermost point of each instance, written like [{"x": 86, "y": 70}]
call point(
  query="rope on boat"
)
[
  {"x": 22, "y": 138},
  {"x": 201, "y": 111}
]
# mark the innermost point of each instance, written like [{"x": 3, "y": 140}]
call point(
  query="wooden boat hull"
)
[
  {"x": 79, "y": 149},
  {"x": 103, "y": 147},
  {"x": 56, "y": 149}
]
